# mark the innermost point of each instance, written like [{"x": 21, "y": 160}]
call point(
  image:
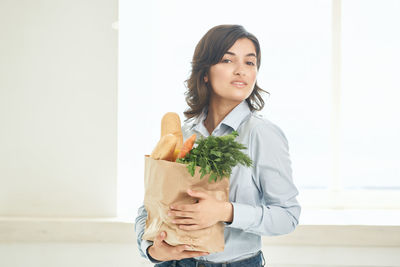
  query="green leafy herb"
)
[{"x": 216, "y": 156}]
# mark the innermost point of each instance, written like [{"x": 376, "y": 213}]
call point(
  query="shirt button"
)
[{"x": 202, "y": 265}]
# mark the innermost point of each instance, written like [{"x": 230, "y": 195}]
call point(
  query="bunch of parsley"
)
[{"x": 216, "y": 156}]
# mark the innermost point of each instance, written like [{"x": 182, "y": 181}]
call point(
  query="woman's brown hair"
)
[{"x": 209, "y": 51}]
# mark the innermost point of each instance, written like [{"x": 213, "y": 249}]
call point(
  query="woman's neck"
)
[{"x": 217, "y": 111}]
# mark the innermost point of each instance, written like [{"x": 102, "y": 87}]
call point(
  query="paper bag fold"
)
[{"x": 166, "y": 183}]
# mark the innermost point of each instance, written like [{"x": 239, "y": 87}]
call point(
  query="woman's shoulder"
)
[
  {"x": 258, "y": 125},
  {"x": 257, "y": 122}
]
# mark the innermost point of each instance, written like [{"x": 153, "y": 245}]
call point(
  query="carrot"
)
[{"x": 187, "y": 146}]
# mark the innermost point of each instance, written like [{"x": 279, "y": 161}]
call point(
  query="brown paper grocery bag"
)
[{"x": 167, "y": 182}]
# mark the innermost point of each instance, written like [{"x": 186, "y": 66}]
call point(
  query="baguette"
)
[
  {"x": 171, "y": 124},
  {"x": 165, "y": 148}
]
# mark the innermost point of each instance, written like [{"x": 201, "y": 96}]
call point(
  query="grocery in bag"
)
[{"x": 174, "y": 167}]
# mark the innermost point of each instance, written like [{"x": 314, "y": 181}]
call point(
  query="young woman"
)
[{"x": 223, "y": 96}]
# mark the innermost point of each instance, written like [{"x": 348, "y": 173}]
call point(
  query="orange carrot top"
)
[{"x": 187, "y": 146}]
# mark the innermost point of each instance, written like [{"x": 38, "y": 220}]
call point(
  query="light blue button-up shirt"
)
[{"x": 263, "y": 196}]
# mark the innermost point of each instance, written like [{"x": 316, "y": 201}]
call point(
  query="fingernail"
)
[
  {"x": 187, "y": 247},
  {"x": 169, "y": 214},
  {"x": 162, "y": 234}
]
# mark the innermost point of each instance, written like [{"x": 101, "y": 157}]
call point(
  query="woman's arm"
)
[
  {"x": 278, "y": 213},
  {"x": 140, "y": 224}
]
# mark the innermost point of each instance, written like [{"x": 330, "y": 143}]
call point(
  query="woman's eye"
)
[
  {"x": 251, "y": 63},
  {"x": 225, "y": 60}
]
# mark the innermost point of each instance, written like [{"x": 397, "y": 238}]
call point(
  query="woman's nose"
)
[{"x": 239, "y": 70}]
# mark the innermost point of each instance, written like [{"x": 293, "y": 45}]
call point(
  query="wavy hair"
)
[{"x": 209, "y": 51}]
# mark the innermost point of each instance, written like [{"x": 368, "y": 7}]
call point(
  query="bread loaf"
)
[
  {"x": 171, "y": 124},
  {"x": 165, "y": 148}
]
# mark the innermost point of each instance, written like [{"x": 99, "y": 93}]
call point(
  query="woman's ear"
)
[{"x": 205, "y": 79}]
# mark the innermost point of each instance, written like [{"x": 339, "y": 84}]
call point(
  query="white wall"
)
[{"x": 58, "y": 108}]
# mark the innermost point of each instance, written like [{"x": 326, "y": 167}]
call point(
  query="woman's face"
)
[{"x": 233, "y": 78}]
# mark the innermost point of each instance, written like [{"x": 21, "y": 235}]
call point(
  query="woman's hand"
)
[
  {"x": 206, "y": 212},
  {"x": 162, "y": 251}
]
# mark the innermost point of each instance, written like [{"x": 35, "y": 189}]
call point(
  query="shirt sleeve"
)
[
  {"x": 278, "y": 211},
  {"x": 143, "y": 245}
]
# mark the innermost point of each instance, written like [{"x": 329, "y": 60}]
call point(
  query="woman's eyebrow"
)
[{"x": 248, "y": 55}]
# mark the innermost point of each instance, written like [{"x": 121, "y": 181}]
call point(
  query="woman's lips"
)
[{"x": 239, "y": 84}]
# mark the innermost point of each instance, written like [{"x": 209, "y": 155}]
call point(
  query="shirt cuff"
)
[
  {"x": 243, "y": 216},
  {"x": 144, "y": 246}
]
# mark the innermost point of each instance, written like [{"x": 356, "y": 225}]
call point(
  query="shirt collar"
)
[{"x": 233, "y": 119}]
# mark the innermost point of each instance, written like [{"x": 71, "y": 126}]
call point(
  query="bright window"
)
[
  {"x": 333, "y": 89},
  {"x": 370, "y": 107}
]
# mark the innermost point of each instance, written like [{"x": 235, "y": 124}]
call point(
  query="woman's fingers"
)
[
  {"x": 183, "y": 252},
  {"x": 180, "y": 248},
  {"x": 183, "y": 214},
  {"x": 160, "y": 238},
  {"x": 197, "y": 194},
  {"x": 162, "y": 251},
  {"x": 183, "y": 221},
  {"x": 184, "y": 207},
  {"x": 190, "y": 227}
]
